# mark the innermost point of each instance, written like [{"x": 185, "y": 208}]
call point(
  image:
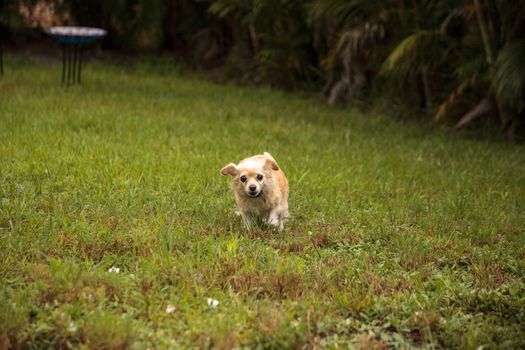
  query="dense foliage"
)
[{"x": 460, "y": 61}]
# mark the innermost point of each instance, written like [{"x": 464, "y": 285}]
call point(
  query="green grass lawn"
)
[{"x": 400, "y": 237}]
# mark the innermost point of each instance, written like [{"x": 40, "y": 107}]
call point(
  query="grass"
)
[{"x": 401, "y": 237}]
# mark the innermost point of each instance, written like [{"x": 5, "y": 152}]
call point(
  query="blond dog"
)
[{"x": 261, "y": 190}]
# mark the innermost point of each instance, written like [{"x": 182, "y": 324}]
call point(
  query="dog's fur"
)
[{"x": 264, "y": 198}]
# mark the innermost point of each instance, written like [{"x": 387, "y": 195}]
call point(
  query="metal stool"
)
[{"x": 73, "y": 40}]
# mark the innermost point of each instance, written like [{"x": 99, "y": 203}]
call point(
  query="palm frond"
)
[
  {"x": 405, "y": 59},
  {"x": 225, "y": 8},
  {"x": 353, "y": 42},
  {"x": 451, "y": 100},
  {"x": 509, "y": 78},
  {"x": 345, "y": 13},
  {"x": 512, "y": 15},
  {"x": 483, "y": 107}
]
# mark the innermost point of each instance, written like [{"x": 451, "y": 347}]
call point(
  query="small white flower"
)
[
  {"x": 86, "y": 295},
  {"x": 212, "y": 302},
  {"x": 170, "y": 308},
  {"x": 114, "y": 269},
  {"x": 72, "y": 327}
]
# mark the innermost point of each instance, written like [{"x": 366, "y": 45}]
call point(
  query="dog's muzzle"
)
[{"x": 254, "y": 194}]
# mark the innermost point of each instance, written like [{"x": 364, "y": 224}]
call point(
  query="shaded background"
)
[{"x": 461, "y": 63}]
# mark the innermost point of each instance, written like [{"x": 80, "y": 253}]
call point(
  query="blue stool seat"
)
[{"x": 75, "y": 35}]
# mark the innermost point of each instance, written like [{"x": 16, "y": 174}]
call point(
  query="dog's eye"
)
[
  {"x": 259, "y": 177},
  {"x": 243, "y": 178}
]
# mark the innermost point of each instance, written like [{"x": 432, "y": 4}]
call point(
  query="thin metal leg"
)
[
  {"x": 74, "y": 75},
  {"x": 69, "y": 64},
  {"x": 63, "y": 62},
  {"x": 1, "y": 60},
  {"x": 79, "y": 63}
]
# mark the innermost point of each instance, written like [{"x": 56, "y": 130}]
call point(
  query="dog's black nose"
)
[{"x": 252, "y": 188}]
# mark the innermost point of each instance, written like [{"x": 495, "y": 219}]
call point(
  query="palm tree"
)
[
  {"x": 491, "y": 62},
  {"x": 468, "y": 54},
  {"x": 276, "y": 33},
  {"x": 354, "y": 29}
]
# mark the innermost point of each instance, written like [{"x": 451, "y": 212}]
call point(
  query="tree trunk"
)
[
  {"x": 253, "y": 38},
  {"x": 427, "y": 95},
  {"x": 484, "y": 106}
]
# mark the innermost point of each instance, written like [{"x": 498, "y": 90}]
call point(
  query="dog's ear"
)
[
  {"x": 271, "y": 164},
  {"x": 268, "y": 155},
  {"x": 230, "y": 169}
]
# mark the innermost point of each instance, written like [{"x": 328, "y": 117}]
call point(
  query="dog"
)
[{"x": 261, "y": 190}]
